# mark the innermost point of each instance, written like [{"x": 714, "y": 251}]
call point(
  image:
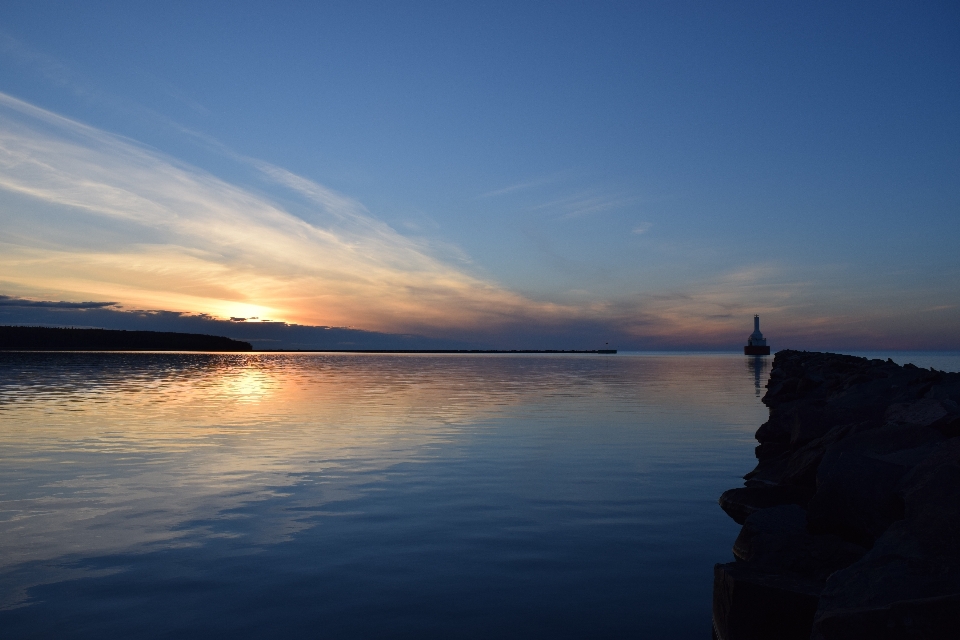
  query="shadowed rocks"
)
[{"x": 851, "y": 519}]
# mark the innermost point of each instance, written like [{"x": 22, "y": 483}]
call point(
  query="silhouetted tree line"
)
[{"x": 61, "y": 339}]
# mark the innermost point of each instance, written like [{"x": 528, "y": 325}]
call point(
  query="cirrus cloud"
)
[
  {"x": 98, "y": 215},
  {"x": 89, "y": 215}
]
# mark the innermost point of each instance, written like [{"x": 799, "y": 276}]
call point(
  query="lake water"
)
[{"x": 359, "y": 496}]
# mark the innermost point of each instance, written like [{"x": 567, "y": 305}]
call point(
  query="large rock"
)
[
  {"x": 856, "y": 499},
  {"x": 751, "y": 604},
  {"x": 910, "y": 580},
  {"x": 777, "y": 540},
  {"x": 851, "y": 519},
  {"x": 856, "y": 480},
  {"x": 741, "y": 503},
  {"x": 936, "y": 618}
]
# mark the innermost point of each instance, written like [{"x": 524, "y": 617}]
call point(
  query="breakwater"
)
[{"x": 851, "y": 518}]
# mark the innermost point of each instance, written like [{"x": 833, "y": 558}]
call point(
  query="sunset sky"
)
[{"x": 649, "y": 174}]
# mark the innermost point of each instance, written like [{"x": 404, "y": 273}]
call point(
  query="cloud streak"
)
[
  {"x": 86, "y": 215},
  {"x": 520, "y": 186},
  {"x": 584, "y": 204},
  {"x": 9, "y": 301},
  {"x": 176, "y": 237}
]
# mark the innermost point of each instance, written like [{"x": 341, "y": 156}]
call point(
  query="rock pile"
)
[{"x": 851, "y": 519}]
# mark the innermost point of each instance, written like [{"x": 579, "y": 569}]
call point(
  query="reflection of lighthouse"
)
[
  {"x": 756, "y": 343},
  {"x": 758, "y": 367}
]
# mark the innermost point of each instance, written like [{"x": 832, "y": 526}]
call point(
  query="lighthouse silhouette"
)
[{"x": 756, "y": 343}]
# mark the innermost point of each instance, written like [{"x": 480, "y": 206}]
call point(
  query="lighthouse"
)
[{"x": 756, "y": 343}]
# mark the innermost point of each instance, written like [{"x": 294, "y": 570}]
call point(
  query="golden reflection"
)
[
  {"x": 109, "y": 453},
  {"x": 247, "y": 385}
]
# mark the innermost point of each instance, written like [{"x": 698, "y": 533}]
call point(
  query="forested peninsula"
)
[
  {"x": 851, "y": 518},
  {"x": 13, "y": 338}
]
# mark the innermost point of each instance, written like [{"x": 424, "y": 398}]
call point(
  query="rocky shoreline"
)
[{"x": 851, "y": 518}]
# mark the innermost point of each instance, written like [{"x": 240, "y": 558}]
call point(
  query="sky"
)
[{"x": 643, "y": 175}]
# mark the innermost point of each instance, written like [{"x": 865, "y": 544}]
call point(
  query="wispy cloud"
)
[
  {"x": 175, "y": 237},
  {"x": 52, "y": 69},
  {"x": 86, "y": 215},
  {"x": 583, "y": 204},
  {"x": 10, "y": 301},
  {"x": 641, "y": 228},
  {"x": 521, "y": 186}
]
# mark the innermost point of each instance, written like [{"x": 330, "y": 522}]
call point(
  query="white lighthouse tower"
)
[{"x": 756, "y": 343}]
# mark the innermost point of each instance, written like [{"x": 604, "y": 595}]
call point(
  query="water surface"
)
[{"x": 357, "y": 495}]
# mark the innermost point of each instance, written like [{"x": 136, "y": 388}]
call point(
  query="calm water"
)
[{"x": 359, "y": 496}]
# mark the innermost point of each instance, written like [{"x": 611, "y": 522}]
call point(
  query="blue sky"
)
[{"x": 647, "y": 173}]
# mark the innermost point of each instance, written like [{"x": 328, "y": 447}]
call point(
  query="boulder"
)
[
  {"x": 751, "y": 604},
  {"x": 935, "y": 618},
  {"x": 856, "y": 480},
  {"x": 776, "y": 539},
  {"x": 740, "y": 503},
  {"x": 856, "y": 500}
]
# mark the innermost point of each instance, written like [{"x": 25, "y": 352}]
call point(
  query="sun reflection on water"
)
[{"x": 109, "y": 453}]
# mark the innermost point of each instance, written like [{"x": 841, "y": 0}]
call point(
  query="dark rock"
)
[
  {"x": 922, "y": 413},
  {"x": 771, "y": 449},
  {"x": 935, "y": 618},
  {"x": 949, "y": 427},
  {"x": 740, "y": 503},
  {"x": 798, "y": 466},
  {"x": 932, "y": 482},
  {"x": 856, "y": 454},
  {"x": 776, "y": 539},
  {"x": 856, "y": 500},
  {"x": 916, "y": 560},
  {"x": 749, "y": 604},
  {"x": 788, "y": 518},
  {"x": 940, "y": 414},
  {"x": 856, "y": 480}
]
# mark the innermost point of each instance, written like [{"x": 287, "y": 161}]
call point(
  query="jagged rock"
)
[
  {"x": 928, "y": 618},
  {"x": 798, "y": 466},
  {"x": 856, "y": 480},
  {"x": 913, "y": 569},
  {"x": 776, "y": 539},
  {"x": 922, "y": 413},
  {"x": 856, "y": 500},
  {"x": 941, "y": 414},
  {"x": 771, "y": 450},
  {"x": 740, "y": 503},
  {"x": 856, "y": 454},
  {"x": 750, "y": 604},
  {"x": 904, "y": 587}
]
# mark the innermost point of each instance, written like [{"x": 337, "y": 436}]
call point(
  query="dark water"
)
[{"x": 363, "y": 496}]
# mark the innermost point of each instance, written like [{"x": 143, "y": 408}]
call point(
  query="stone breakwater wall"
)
[{"x": 851, "y": 518}]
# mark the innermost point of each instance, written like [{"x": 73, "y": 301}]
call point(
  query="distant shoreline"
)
[
  {"x": 16, "y": 338},
  {"x": 47, "y": 339},
  {"x": 437, "y": 351}
]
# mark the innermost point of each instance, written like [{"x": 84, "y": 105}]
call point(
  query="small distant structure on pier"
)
[{"x": 756, "y": 343}]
